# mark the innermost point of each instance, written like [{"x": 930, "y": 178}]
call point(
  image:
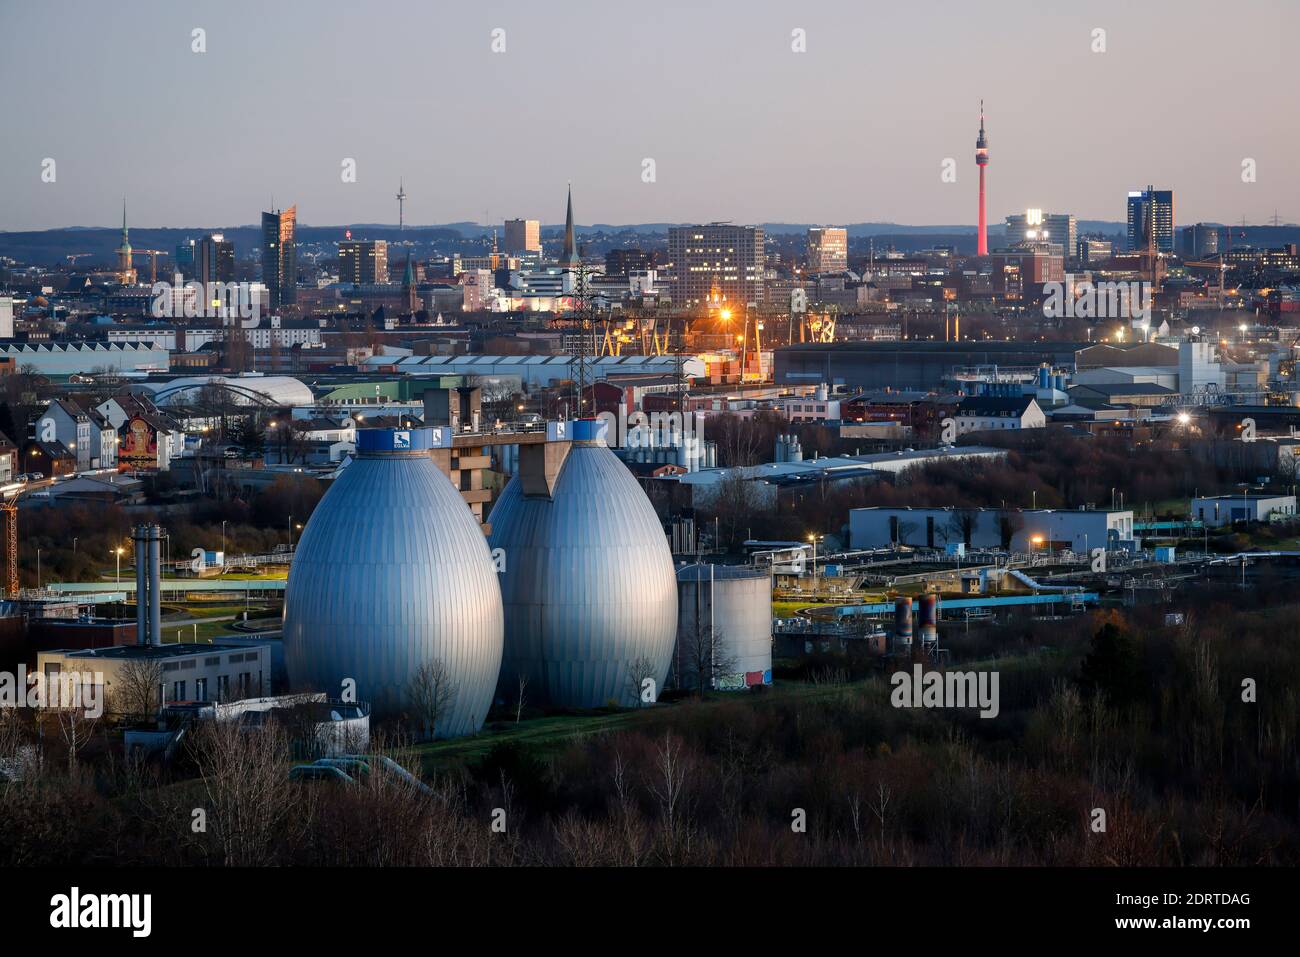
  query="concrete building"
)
[
  {"x": 828, "y": 249},
  {"x": 982, "y": 413},
  {"x": 1019, "y": 530},
  {"x": 1219, "y": 510},
  {"x": 523, "y": 236},
  {"x": 717, "y": 255},
  {"x": 185, "y": 671},
  {"x": 214, "y": 260},
  {"x": 1199, "y": 241},
  {"x": 1037, "y": 226},
  {"x": 363, "y": 262}
]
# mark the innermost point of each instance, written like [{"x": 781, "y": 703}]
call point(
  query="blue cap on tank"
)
[
  {"x": 393, "y": 440},
  {"x": 589, "y": 430}
]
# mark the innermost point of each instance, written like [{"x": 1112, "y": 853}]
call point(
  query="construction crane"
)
[
  {"x": 153, "y": 255},
  {"x": 1220, "y": 265},
  {"x": 10, "y": 507},
  {"x": 819, "y": 326},
  {"x": 73, "y": 257}
]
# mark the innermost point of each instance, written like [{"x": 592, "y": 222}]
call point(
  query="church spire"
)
[{"x": 570, "y": 255}]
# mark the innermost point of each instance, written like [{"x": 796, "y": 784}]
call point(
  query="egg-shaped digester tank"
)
[
  {"x": 588, "y": 583},
  {"x": 393, "y": 573}
]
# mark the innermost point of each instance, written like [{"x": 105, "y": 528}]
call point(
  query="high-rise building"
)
[
  {"x": 1200, "y": 240},
  {"x": 718, "y": 254},
  {"x": 214, "y": 259},
  {"x": 1037, "y": 226},
  {"x": 363, "y": 262},
  {"x": 523, "y": 236},
  {"x": 828, "y": 249},
  {"x": 185, "y": 254},
  {"x": 982, "y": 160},
  {"x": 624, "y": 262},
  {"x": 1092, "y": 251},
  {"x": 279, "y": 256},
  {"x": 1151, "y": 214}
]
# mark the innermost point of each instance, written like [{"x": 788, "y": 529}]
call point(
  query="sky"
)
[{"x": 739, "y": 126}]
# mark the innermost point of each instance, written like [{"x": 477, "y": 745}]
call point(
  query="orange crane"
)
[{"x": 10, "y": 508}]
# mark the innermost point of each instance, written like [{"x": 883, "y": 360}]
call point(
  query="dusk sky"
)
[{"x": 740, "y": 127}]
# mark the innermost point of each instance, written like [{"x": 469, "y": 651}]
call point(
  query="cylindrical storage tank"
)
[
  {"x": 393, "y": 576},
  {"x": 903, "y": 620},
  {"x": 1044, "y": 376},
  {"x": 724, "y": 627},
  {"x": 929, "y": 615},
  {"x": 588, "y": 583}
]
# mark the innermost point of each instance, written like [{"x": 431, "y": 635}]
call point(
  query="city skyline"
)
[{"x": 855, "y": 129}]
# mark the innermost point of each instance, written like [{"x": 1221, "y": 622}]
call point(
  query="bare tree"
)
[
  {"x": 963, "y": 523},
  {"x": 632, "y": 833},
  {"x": 433, "y": 695},
  {"x": 76, "y": 727},
  {"x": 668, "y": 787},
  {"x": 703, "y": 658},
  {"x": 137, "y": 693},
  {"x": 253, "y": 808},
  {"x": 519, "y": 702},
  {"x": 736, "y": 503},
  {"x": 1008, "y": 524},
  {"x": 639, "y": 670}
]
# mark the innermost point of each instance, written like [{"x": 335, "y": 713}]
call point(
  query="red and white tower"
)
[{"x": 982, "y": 160}]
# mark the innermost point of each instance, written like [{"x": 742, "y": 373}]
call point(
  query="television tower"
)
[
  {"x": 982, "y": 160},
  {"x": 401, "y": 199}
]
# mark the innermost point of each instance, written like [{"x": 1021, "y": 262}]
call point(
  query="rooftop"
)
[{"x": 174, "y": 650}]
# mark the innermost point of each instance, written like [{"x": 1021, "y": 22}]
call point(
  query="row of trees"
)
[{"x": 1184, "y": 735}]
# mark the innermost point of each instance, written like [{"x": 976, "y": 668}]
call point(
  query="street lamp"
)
[
  {"x": 118, "y": 552},
  {"x": 813, "y": 538},
  {"x": 223, "y": 538}
]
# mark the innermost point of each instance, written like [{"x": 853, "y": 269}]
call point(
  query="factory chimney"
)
[{"x": 148, "y": 584}]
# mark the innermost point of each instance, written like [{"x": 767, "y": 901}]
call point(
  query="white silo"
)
[
  {"x": 588, "y": 584},
  {"x": 392, "y": 573},
  {"x": 724, "y": 630}
]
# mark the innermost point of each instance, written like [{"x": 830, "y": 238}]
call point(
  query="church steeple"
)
[
  {"x": 569, "y": 258},
  {"x": 125, "y": 271},
  {"x": 408, "y": 287}
]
